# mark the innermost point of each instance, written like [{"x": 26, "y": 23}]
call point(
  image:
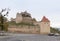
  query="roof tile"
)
[{"x": 44, "y": 19}]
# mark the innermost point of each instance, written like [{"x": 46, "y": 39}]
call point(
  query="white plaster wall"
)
[{"x": 44, "y": 27}]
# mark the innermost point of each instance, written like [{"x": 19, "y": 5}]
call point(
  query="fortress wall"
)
[
  {"x": 24, "y": 29},
  {"x": 27, "y": 19}
]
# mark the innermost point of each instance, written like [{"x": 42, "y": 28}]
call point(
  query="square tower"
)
[{"x": 44, "y": 26}]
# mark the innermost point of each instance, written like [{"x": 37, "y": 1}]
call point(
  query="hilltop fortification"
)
[{"x": 41, "y": 27}]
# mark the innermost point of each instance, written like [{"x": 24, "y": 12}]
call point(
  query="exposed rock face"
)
[{"x": 24, "y": 29}]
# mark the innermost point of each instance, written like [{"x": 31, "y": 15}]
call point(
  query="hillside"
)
[{"x": 54, "y": 30}]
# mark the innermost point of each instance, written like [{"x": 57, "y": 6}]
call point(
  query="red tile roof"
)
[{"x": 44, "y": 19}]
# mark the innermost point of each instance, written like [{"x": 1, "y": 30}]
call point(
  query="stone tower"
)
[
  {"x": 44, "y": 26},
  {"x": 24, "y": 17},
  {"x": 18, "y": 18}
]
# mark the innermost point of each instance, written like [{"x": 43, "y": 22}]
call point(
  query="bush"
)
[
  {"x": 22, "y": 23},
  {"x": 53, "y": 30}
]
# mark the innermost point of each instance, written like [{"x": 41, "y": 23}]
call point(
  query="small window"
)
[{"x": 45, "y": 23}]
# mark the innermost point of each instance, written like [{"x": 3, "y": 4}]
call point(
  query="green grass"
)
[{"x": 17, "y": 24}]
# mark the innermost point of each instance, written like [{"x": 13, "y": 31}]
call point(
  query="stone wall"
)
[
  {"x": 27, "y": 19},
  {"x": 24, "y": 29},
  {"x": 18, "y": 18}
]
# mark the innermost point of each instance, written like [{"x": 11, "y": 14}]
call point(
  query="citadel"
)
[{"x": 34, "y": 27}]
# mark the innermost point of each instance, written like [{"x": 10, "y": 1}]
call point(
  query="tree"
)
[
  {"x": 54, "y": 30},
  {"x": 3, "y": 19},
  {"x": 34, "y": 19}
]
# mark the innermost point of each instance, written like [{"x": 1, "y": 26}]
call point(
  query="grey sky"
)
[{"x": 37, "y": 8}]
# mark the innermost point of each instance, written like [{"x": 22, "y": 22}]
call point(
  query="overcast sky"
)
[{"x": 37, "y": 8}]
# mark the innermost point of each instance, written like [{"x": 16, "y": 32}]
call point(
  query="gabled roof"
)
[{"x": 44, "y": 19}]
